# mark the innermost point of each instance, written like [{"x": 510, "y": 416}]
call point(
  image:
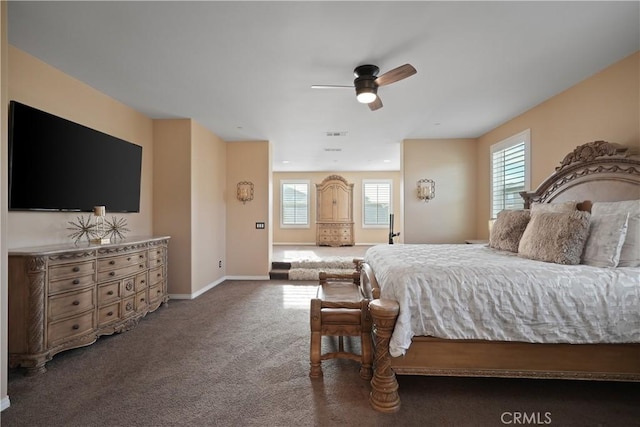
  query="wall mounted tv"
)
[{"x": 59, "y": 165}]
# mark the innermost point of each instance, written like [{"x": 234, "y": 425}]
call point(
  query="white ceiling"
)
[{"x": 244, "y": 69}]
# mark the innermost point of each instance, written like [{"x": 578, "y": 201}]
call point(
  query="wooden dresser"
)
[
  {"x": 66, "y": 296},
  {"x": 334, "y": 213}
]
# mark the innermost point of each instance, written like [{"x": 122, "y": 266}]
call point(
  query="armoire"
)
[{"x": 334, "y": 213}]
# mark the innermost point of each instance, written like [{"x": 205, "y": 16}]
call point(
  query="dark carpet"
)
[{"x": 238, "y": 356}]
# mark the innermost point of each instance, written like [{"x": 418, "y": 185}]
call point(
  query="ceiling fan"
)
[{"x": 367, "y": 82}]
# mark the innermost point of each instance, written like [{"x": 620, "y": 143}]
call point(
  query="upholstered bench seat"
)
[{"x": 339, "y": 310}]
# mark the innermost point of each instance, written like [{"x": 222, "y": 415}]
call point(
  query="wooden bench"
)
[{"x": 340, "y": 309}]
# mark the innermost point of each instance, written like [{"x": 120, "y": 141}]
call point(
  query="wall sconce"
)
[
  {"x": 245, "y": 192},
  {"x": 426, "y": 189}
]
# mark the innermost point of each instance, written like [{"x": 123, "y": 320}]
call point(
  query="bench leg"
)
[{"x": 315, "y": 350}]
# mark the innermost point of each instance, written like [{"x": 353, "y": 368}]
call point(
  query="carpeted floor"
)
[{"x": 238, "y": 356}]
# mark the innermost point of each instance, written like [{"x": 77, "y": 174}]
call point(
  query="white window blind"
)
[
  {"x": 295, "y": 204},
  {"x": 509, "y": 172},
  {"x": 376, "y": 203}
]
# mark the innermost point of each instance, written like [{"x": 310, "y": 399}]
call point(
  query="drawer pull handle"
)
[
  {"x": 76, "y": 269},
  {"x": 141, "y": 281},
  {"x": 141, "y": 299},
  {"x": 76, "y": 281},
  {"x": 158, "y": 260},
  {"x": 129, "y": 259},
  {"x": 76, "y": 302},
  {"x": 158, "y": 252},
  {"x": 110, "y": 313},
  {"x": 141, "y": 265},
  {"x": 110, "y": 293},
  {"x": 76, "y": 326},
  {"x": 129, "y": 286},
  {"x": 141, "y": 256},
  {"x": 112, "y": 262},
  {"x": 159, "y": 275},
  {"x": 112, "y": 273},
  {"x": 129, "y": 306},
  {"x": 158, "y": 291}
]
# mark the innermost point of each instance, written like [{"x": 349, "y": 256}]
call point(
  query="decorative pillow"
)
[
  {"x": 568, "y": 206},
  {"x": 557, "y": 237},
  {"x": 508, "y": 228},
  {"x": 606, "y": 236},
  {"x": 630, "y": 253}
]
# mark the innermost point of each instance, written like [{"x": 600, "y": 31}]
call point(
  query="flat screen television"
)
[{"x": 59, "y": 165}]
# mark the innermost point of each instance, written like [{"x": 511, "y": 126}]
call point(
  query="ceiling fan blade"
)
[
  {"x": 375, "y": 105},
  {"x": 331, "y": 87},
  {"x": 399, "y": 73}
]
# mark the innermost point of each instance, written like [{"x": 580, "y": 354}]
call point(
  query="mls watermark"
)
[{"x": 525, "y": 418}]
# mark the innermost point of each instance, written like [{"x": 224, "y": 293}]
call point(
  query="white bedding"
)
[{"x": 475, "y": 292}]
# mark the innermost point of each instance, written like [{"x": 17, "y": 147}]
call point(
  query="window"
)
[
  {"x": 376, "y": 203},
  {"x": 294, "y": 203},
  {"x": 509, "y": 172}
]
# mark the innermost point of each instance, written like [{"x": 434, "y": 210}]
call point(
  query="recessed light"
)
[
  {"x": 285, "y": 161},
  {"x": 387, "y": 161}
]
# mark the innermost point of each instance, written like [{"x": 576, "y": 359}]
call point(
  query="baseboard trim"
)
[
  {"x": 198, "y": 293},
  {"x": 4, "y": 403},
  {"x": 294, "y": 244},
  {"x": 248, "y": 278}
]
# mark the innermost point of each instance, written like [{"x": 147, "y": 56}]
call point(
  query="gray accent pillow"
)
[
  {"x": 606, "y": 236},
  {"x": 557, "y": 237},
  {"x": 630, "y": 253},
  {"x": 508, "y": 228}
]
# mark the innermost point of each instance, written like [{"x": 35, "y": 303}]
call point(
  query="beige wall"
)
[
  {"x": 248, "y": 249},
  {"x": 450, "y": 217},
  {"x": 172, "y": 197},
  {"x": 189, "y": 205},
  {"x": 208, "y": 207},
  {"x": 39, "y": 85},
  {"x": 308, "y": 235},
  {"x": 602, "y": 107},
  {"x": 4, "y": 53}
]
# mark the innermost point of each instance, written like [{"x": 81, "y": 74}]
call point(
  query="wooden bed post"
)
[{"x": 384, "y": 394}]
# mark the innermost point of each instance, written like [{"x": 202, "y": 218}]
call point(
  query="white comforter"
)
[{"x": 475, "y": 292}]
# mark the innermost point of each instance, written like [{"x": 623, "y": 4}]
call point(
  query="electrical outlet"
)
[
  {"x": 260, "y": 225},
  {"x": 220, "y": 264}
]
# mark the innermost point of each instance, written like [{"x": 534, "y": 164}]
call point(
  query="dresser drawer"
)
[
  {"x": 128, "y": 287},
  {"x": 108, "y": 313},
  {"x": 72, "y": 270},
  {"x": 121, "y": 261},
  {"x": 156, "y": 253},
  {"x": 120, "y": 272},
  {"x": 59, "y": 332},
  {"x": 71, "y": 303},
  {"x": 156, "y": 275},
  {"x": 141, "y": 281},
  {"x": 128, "y": 306},
  {"x": 108, "y": 292},
  {"x": 155, "y": 293},
  {"x": 142, "y": 301},
  {"x": 71, "y": 283}
]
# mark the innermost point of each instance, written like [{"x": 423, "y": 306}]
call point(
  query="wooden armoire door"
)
[{"x": 334, "y": 213}]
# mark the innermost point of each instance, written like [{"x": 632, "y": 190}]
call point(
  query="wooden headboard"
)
[{"x": 597, "y": 171}]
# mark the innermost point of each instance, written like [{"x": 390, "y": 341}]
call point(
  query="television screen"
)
[{"x": 59, "y": 165}]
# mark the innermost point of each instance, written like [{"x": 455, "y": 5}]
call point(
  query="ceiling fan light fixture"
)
[{"x": 366, "y": 95}]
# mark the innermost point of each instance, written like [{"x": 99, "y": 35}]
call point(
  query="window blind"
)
[
  {"x": 295, "y": 204},
  {"x": 377, "y": 203},
  {"x": 508, "y": 177}
]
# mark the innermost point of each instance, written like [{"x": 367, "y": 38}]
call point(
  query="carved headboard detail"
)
[{"x": 595, "y": 171}]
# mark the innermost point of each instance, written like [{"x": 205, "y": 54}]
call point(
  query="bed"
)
[{"x": 565, "y": 312}]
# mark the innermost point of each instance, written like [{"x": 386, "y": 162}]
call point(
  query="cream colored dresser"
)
[
  {"x": 334, "y": 213},
  {"x": 66, "y": 296}
]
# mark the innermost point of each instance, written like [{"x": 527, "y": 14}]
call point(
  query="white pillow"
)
[
  {"x": 569, "y": 206},
  {"x": 606, "y": 237},
  {"x": 630, "y": 253}
]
